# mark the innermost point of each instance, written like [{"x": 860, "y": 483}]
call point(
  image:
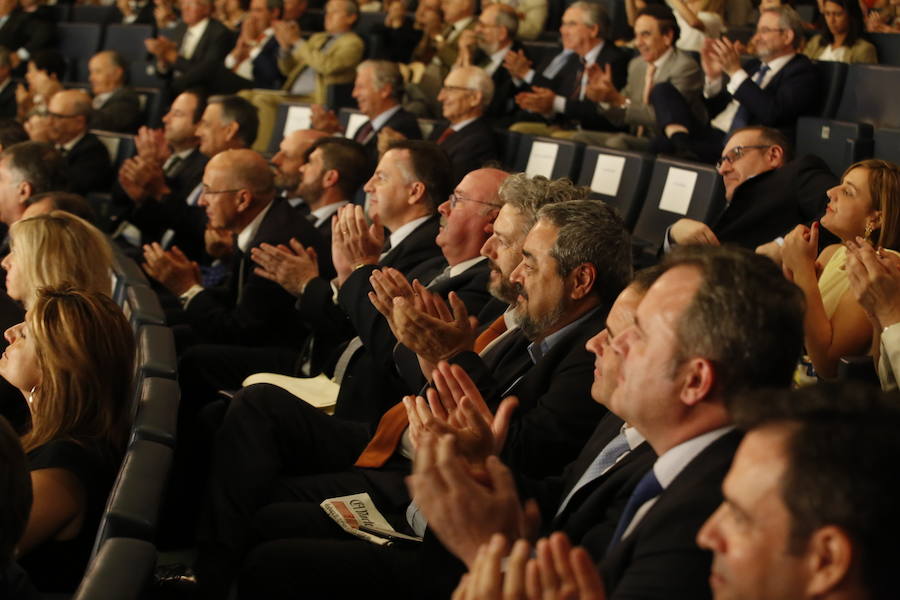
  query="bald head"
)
[
  {"x": 237, "y": 185},
  {"x": 292, "y": 154},
  {"x": 245, "y": 169},
  {"x": 69, "y": 112},
  {"x": 467, "y": 217}
]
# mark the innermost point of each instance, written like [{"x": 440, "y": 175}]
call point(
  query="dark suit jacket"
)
[
  {"x": 211, "y": 50},
  {"x": 121, "y": 112},
  {"x": 404, "y": 122},
  {"x": 8, "y": 104},
  {"x": 24, "y": 30},
  {"x": 88, "y": 168},
  {"x": 266, "y": 73},
  {"x": 144, "y": 16},
  {"x": 259, "y": 314},
  {"x": 470, "y": 147},
  {"x": 503, "y": 103},
  {"x": 794, "y": 91},
  {"x": 772, "y": 203},
  {"x": 660, "y": 559}
]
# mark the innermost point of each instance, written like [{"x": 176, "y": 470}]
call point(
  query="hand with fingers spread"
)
[
  {"x": 709, "y": 60},
  {"x": 388, "y": 284},
  {"x": 151, "y": 145},
  {"x": 353, "y": 241},
  {"x": 539, "y": 100},
  {"x": 291, "y": 268},
  {"x": 487, "y": 580},
  {"x": 727, "y": 55},
  {"x": 874, "y": 277},
  {"x": 434, "y": 337},
  {"x": 560, "y": 572},
  {"x": 517, "y": 64},
  {"x": 600, "y": 86},
  {"x": 171, "y": 268},
  {"x": 464, "y": 509},
  {"x": 142, "y": 179},
  {"x": 689, "y": 231}
]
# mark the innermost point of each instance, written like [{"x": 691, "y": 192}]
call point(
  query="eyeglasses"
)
[
  {"x": 60, "y": 116},
  {"x": 737, "y": 153},
  {"x": 456, "y": 199},
  {"x": 456, "y": 88},
  {"x": 765, "y": 30},
  {"x": 205, "y": 191}
]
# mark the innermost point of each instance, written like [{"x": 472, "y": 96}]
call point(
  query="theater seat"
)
[
  {"x": 887, "y": 145},
  {"x": 156, "y": 417},
  {"x": 618, "y": 177},
  {"x": 121, "y": 570},
  {"x": 838, "y": 143},
  {"x": 549, "y": 157},
  {"x": 119, "y": 145},
  {"x": 539, "y": 52},
  {"x": 142, "y": 307},
  {"x": 156, "y": 352},
  {"x": 677, "y": 189},
  {"x": 78, "y": 42},
  {"x": 290, "y": 117},
  {"x": 90, "y": 13},
  {"x": 833, "y": 76},
  {"x": 888, "y": 47},
  {"x": 128, "y": 40}
]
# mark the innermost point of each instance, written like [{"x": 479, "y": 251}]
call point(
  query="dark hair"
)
[
  {"x": 664, "y": 17},
  {"x": 11, "y": 132},
  {"x": 590, "y": 231},
  {"x": 646, "y": 277},
  {"x": 50, "y": 61},
  {"x": 237, "y": 110},
  {"x": 431, "y": 166},
  {"x": 5, "y": 60},
  {"x": 346, "y": 157},
  {"x": 745, "y": 318},
  {"x": 74, "y": 204},
  {"x": 38, "y": 163},
  {"x": 201, "y": 97},
  {"x": 841, "y": 452},
  {"x": 884, "y": 188},
  {"x": 770, "y": 136},
  {"x": 15, "y": 491},
  {"x": 857, "y": 28}
]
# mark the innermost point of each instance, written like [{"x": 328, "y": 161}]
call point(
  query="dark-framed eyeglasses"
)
[
  {"x": 737, "y": 153},
  {"x": 455, "y": 198}
]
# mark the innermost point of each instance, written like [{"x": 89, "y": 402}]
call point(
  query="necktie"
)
[
  {"x": 605, "y": 459},
  {"x": 443, "y": 137},
  {"x": 186, "y": 48},
  {"x": 172, "y": 165},
  {"x": 648, "y": 87},
  {"x": 363, "y": 133},
  {"x": 647, "y": 488},
  {"x": 742, "y": 116},
  {"x": 393, "y": 423},
  {"x": 443, "y": 276},
  {"x": 578, "y": 87}
]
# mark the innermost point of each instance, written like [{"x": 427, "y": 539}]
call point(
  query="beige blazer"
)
[{"x": 335, "y": 65}]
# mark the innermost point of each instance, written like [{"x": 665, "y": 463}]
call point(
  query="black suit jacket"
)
[
  {"x": 8, "y": 104},
  {"x": 503, "y": 103},
  {"x": 88, "y": 168},
  {"x": 24, "y": 30},
  {"x": 470, "y": 148},
  {"x": 660, "y": 559},
  {"x": 208, "y": 55},
  {"x": 121, "y": 112},
  {"x": 266, "y": 73},
  {"x": 259, "y": 313},
  {"x": 402, "y": 121},
  {"x": 794, "y": 91},
  {"x": 772, "y": 203},
  {"x": 144, "y": 16}
]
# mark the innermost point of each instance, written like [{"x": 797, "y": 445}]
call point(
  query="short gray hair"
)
[
  {"x": 590, "y": 231},
  {"x": 508, "y": 18},
  {"x": 594, "y": 14},
  {"x": 478, "y": 80},
  {"x": 529, "y": 195},
  {"x": 385, "y": 72},
  {"x": 788, "y": 18},
  {"x": 350, "y": 6}
]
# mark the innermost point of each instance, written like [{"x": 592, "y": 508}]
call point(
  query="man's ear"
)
[
  {"x": 244, "y": 200},
  {"x": 416, "y": 192},
  {"x": 24, "y": 190},
  {"x": 775, "y": 155},
  {"x": 231, "y": 130},
  {"x": 830, "y": 560},
  {"x": 699, "y": 380},
  {"x": 583, "y": 278},
  {"x": 330, "y": 178}
]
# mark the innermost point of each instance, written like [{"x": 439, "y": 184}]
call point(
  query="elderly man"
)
[
  {"x": 659, "y": 63},
  {"x": 767, "y": 195},
  {"x": 310, "y": 66},
  {"x": 27, "y": 169},
  {"x": 238, "y": 196},
  {"x": 494, "y": 37},
  {"x": 116, "y": 106},
  {"x": 254, "y": 60},
  {"x": 554, "y": 93},
  {"x": 199, "y": 45},
  {"x": 88, "y": 167}
]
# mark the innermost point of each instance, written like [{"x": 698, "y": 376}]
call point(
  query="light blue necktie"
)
[{"x": 605, "y": 459}]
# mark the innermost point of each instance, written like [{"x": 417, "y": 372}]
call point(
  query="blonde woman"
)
[
  {"x": 72, "y": 359},
  {"x": 48, "y": 249},
  {"x": 865, "y": 204}
]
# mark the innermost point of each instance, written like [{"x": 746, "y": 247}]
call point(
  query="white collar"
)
[
  {"x": 323, "y": 213},
  {"x": 462, "y": 124},
  {"x": 778, "y": 63},
  {"x": 71, "y": 143},
  {"x": 462, "y": 267},
  {"x": 591, "y": 56},
  {"x": 500, "y": 54},
  {"x": 199, "y": 28},
  {"x": 462, "y": 23},
  {"x": 404, "y": 230},
  {"x": 634, "y": 437},
  {"x": 674, "y": 460},
  {"x": 245, "y": 237},
  {"x": 379, "y": 121}
]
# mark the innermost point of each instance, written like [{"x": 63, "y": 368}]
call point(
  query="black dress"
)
[{"x": 58, "y": 565}]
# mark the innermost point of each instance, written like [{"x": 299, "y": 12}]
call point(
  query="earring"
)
[
  {"x": 868, "y": 232},
  {"x": 31, "y": 395}
]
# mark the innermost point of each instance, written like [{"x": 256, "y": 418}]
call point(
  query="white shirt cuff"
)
[
  {"x": 230, "y": 62},
  {"x": 736, "y": 80},
  {"x": 529, "y": 76},
  {"x": 559, "y": 104},
  {"x": 189, "y": 295},
  {"x": 711, "y": 87},
  {"x": 23, "y": 54}
]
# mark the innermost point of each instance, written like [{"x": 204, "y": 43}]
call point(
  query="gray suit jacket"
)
[{"x": 680, "y": 70}]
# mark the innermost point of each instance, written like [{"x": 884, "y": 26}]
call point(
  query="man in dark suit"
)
[
  {"x": 469, "y": 139},
  {"x": 238, "y": 195},
  {"x": 748, "y": 338},
  {"x": 88, "y": 166},
  {"x": 116, "y": 106},
  {"x": 772, "y": 91},
  {"x": 8, "y": 104},
  {"x": 199, "y": 47},
  {"x": 22, "y": 33},
  {"x": 253, "y": 63},
  {"x": 554, "y": 93},
  {"x": 130, "y": 12},
  {"x": 293, "y": 152},
  {"x": 766, "y": 194}
]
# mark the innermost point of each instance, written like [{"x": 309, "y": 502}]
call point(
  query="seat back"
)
[
  {"x": 888, "y": 47},
  {"x": 351, "y": 119},
  {"x": 508, "y": 146},
  {"x": 119, "y": 145},
  {"x": 678, "y": 189},
  {"x": 142, "y": 307},
  {"x": 156, "y": 417},
  {"x": 151, "y": 104},
  {"x": 887, "y": 145},
  {"x": 290, "y": 117},
  {"x": 618, "y": 177},
  {"x": 125, "y": 273},
  {"x": 156, "y": 352},
  {"x": 549, "y": 157},
  {"x": 122, "y": 569},
  {"x": 832, "y": 75},
  {"x": 838, "y": 143},
  {"x": 870, "y": 96},
  {"x": 539, "y": 52},
  {"x": 128, "y": 40},
  {"x": 91, "y": 13},
  {"x": 339, "y": 95},
  {"x": 78, "y": 42},
  {"x": 132, "y": 510}
]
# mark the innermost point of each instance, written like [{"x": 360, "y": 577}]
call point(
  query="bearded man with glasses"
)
[{"x": 766, "y": 194}]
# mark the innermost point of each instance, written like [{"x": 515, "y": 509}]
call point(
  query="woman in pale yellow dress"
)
[{"x": 865, "y": 204}]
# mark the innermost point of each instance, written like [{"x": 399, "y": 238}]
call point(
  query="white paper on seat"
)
[
  {"x": 676, "y": 195},
  {"x": 298, "y": 117},
  {"x": 541, "y": 159},
  {"x": 608, "y": 174},
  {"x": 319, "y": 391},
  {"x": 355, "y": 121}
]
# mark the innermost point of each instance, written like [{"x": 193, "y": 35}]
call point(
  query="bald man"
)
[
  {"x": 88, "y": 167},
  {"x": 287, "y": 161},
  {"x": 247, "y": 310},
  {"x": 116, "y": 106}
]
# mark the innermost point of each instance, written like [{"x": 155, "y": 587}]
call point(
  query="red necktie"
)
[{"x": 443, "y": 137}]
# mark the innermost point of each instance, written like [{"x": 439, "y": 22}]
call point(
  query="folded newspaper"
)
[
  {"x": 319, "y": 391},
  {"x": 356, "y": 514}
]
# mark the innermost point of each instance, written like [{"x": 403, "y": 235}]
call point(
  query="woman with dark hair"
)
[
  {"x": 842, "y": 41},
  {"x": 72, "y": 359}
]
